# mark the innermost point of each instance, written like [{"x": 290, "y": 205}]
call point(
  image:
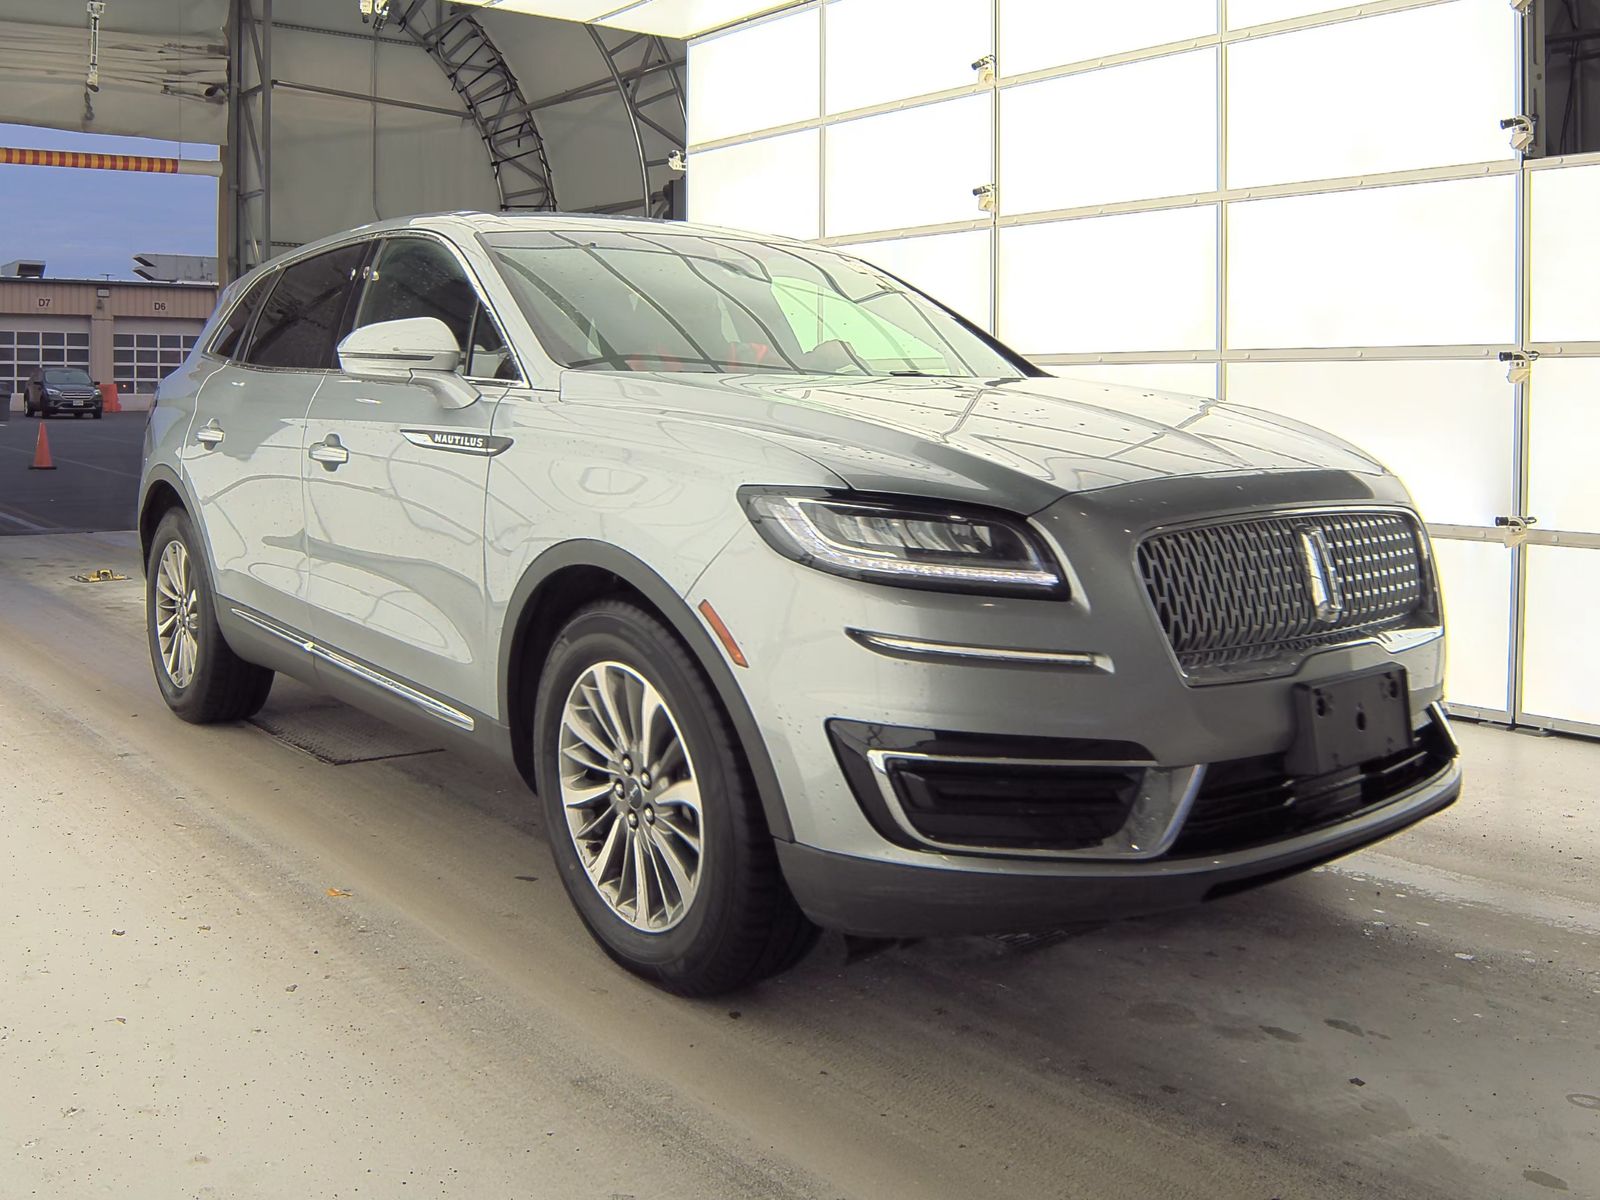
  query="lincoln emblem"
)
[{"x": 1322, "y": 577}]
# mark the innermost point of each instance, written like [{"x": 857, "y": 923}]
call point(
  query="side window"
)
[
  {"x": 230, "y": 334},
  {"x": 302, "y": 315},
  {"x": 418, "y": 277}
]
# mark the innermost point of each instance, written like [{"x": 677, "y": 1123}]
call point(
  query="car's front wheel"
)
[
  {"x": 653, "y": 818},
  {"x": 201, "y": 678}
]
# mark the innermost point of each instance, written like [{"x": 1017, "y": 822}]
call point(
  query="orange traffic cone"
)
[
  {"x": 109, "y": 400},
  {"x": 41, "y": 452}
]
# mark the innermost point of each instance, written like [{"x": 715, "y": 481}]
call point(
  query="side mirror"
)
[{"x": 414, "y": 350}]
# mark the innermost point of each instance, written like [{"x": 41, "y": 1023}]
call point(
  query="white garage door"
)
[{"x": 1290, "y": 204}]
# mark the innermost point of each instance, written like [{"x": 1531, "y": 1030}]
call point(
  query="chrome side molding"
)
[
  {"x": 896, "y": 646},
  {"x": 431, "y": 705}
]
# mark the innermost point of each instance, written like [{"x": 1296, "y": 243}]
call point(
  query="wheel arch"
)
[
  {"x": 163, "y": 491},
  {"x": 574, "y": 573}
]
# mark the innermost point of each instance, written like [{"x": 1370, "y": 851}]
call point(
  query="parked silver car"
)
[{"x": 799, "y": 601}]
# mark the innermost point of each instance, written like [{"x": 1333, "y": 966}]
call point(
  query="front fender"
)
[{"x": 522, "y": 624}]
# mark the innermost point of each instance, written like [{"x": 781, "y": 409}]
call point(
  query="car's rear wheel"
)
[
  {"x": 653, "y": 818},
  {"x": 200, "y": 677}
]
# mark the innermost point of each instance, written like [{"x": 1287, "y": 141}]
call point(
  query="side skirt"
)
[
  {"x": 325, "y": 668},
  {"x": 404, "y": 691}
]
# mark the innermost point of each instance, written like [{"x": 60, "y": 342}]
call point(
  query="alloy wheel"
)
[
  {"x": 177, "y": 615},
  {"x": 631, "y": 797}
]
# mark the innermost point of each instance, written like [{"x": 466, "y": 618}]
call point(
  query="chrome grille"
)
[{"x": 1239, "y": 591}]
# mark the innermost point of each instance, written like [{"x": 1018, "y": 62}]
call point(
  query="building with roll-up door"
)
[{"x": 132, "y": 333}]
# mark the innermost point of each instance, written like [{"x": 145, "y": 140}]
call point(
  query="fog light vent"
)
[{"x": 1035, "y": 808}]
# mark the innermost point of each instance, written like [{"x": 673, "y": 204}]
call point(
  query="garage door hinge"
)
[
  {"x": 988, "y": 200},
  {"x": 1519, "y": 364},
  {"x": 1516, "y": 528}
]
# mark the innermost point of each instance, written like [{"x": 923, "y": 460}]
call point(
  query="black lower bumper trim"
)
[{"x": 877, "y": 898}]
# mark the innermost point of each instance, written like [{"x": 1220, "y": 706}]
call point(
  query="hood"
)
[{"x": 1030, "y": 441}]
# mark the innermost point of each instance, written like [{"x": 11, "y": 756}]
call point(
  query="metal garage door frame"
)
[{"x": 1513, "y": 536}]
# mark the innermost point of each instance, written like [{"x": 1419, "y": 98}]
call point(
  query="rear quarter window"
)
[{"x": 229, "y": 338}]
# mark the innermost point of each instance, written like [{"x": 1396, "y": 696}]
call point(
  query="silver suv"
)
[{"x": 799, "y": 601}]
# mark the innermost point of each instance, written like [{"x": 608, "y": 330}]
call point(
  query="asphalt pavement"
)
[
  {"x": 232, "y": 969},
  {"x": 95, "y": 483}
]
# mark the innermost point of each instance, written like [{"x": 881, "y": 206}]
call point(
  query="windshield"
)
[
  {"x": 665, "y": 301},
  {"x": 67, "y": 375}
]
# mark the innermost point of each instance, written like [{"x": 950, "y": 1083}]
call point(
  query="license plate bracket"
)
[{"x": 1343, "y": 722}]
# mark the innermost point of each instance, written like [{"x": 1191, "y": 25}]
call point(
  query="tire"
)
[
  {"x": 98, "y": 413},
  {"x": 211, "y": 683},
  {"x": 738, "y": 923}
]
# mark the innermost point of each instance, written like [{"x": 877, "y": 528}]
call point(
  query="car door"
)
[
  {"x": 395, "y": 490},
  {"x": 246, "y": 444}
]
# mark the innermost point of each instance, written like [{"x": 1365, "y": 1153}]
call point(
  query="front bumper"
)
[
  {"x": 54, "y": 405},
  {"x": 874, "y": 898},
  {"x": 1103, "y": 676}
]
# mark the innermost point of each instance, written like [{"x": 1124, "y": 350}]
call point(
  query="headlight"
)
[{"x": 907, "y": 542}]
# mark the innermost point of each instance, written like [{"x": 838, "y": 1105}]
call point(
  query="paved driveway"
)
[
  {"x": 96, "y": 481},
  {"x": 188, "y": 1010}
]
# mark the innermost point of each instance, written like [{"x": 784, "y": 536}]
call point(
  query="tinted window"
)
[
  {"x": 230, "y": 334},
  {"x": 419, "y": 277},
  {"x": 302, "y": 315},
  {"x": 61, "y": 375}
]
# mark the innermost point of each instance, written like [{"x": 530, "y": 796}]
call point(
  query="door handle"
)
[
  {"x": 211, "y": 435},
  {"x": 329, "y": 452}
]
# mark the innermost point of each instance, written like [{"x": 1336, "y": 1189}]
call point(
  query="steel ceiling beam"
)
[
  {"x": 480, "y": 75},
  {"x": 248, "y": 164},
  {"x": 648, "y": 78}
]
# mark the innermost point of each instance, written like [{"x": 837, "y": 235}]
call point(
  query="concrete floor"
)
[
  {"x": 96, "y": 481},
  {"x": 186, "y": 1009}
]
